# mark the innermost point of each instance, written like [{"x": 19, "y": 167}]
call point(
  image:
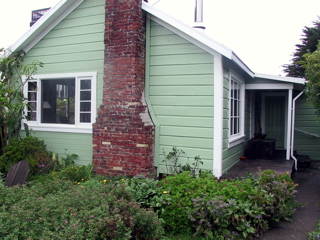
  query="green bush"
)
[
  {"x": 31, "y": 149},
  {"x": 227, "y": 208},
  {"x": 60, "y": 163},
  {"x": 103, "y": 212},
  {"x": 316, "y": 233},
  {"x": 74, "y": 173},
  {"x": 280, "y": 203},
  {"x": 183, "y": 188}
]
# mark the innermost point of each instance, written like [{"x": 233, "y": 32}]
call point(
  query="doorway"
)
[{"x": 274, "y": 116}]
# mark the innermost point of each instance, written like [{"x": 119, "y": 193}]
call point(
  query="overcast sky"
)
[{"x": 262, "y": 33}]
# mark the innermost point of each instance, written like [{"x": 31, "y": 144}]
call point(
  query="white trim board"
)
[
  {"x": 218, "y": 119},
  {"x": 267, "y": 86},
  {"x": 281, "y": 78}
]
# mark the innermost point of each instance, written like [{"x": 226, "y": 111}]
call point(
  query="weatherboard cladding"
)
[
  {"x": 180, "y": 87},
  {"x": 74, "y": 45},
  {"x": 231, "y": 155},
  {"x": 306, "y": 120}
]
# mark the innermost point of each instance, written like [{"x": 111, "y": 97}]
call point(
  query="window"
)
[
  {"x": 236, "y": 111},
  {"x": 61, "y": 102}
]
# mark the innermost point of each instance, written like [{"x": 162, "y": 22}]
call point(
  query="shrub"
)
[
  {"x": 183, "y": 188},
  {"x": 60, "y": 163},
  {"x": 31, "y": 149},
  {"x": 316, "y": 233},
  {"x": 74, "y": 173},
  {"x": 281, "y": 204},
  {"x": 227, "y": 208},
  {"x": 104, "y": 212}
]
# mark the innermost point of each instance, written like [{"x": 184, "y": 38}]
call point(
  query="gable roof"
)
[
  {"x": 57, "y": 13},
  {"x": 193, "y": 35},
  {"x": 45, "y": 24},
  {"x": 207, "y": 43}
]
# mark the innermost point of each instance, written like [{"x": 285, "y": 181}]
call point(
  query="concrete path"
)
[{"x": 306, "y": 217}]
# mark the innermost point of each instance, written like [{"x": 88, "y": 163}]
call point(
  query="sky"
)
[{"x": 262, "y": 33}]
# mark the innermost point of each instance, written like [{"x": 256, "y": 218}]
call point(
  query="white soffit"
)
[{"x": 45, "y": 24}]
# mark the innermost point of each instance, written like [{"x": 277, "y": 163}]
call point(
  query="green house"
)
[{"x": 124, "y": 82}]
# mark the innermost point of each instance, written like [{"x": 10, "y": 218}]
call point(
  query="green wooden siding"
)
[
  {"x": 75, "y": 45},
  {"x": 180, "y": 90},
  {"x": 306, "y": 120},
  {"x": 231, "y": 155},
  {"x": 62, "y": 143}
]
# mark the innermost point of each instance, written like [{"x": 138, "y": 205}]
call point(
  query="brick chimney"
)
[{"x": 123, "y": 135}]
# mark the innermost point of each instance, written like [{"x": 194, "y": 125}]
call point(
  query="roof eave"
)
[
  {"x": 202, "y": 40},
  {"x": 301, "y": 81}
]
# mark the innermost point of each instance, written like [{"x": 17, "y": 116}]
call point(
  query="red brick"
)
[{"x": 117, "y": 121}]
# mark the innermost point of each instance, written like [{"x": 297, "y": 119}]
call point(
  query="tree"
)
[
  {"x": 311, "y": 36},
  {"x": 311, "y": 64},
  {"x": 12, "y": 100}
]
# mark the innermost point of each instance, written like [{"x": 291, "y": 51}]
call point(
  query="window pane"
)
[
  {"x": 32, "y": 106},
  {"x": 32, "y": 116},
  {"x": 32, "y": 96},
  {"x": 85, "y": 117},
  {"x": 85, "y": 84},
  {"x": 85, "y": 106},
  {"x": 235, "y": 105},
  {"x": 236, "y": 129},
  {"x": 32, "y": 86},
  {"x": 58, "y": 101},
  {"x": 85, "y": 95}
]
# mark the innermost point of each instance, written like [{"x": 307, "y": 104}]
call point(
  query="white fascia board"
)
[
  {"x": 186, "y": 31},
  {"x": 241, "y": 64},
  {"x": 269, "y": 86},
  {"x": 281, "y": 78},
  {"x": 45, "y": 24}
]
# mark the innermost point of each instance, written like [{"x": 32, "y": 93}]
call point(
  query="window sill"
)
[
  {"x": 236, "y": 141},
  {"x": 60, "y": 128}
]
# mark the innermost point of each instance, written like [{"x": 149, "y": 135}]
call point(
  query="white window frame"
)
[
  {"x": 235, "y": 139},
  {"x": 77, "y": 127}
]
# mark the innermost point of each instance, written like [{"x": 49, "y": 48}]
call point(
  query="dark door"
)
[{"x": 275, "y": 119}]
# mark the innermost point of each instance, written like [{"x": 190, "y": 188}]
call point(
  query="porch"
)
[{"x": 279, "y": 164}]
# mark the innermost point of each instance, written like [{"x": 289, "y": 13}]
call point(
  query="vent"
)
[
  {"x": 198, "y": 16},
  {"x": 37, "y": 14}
]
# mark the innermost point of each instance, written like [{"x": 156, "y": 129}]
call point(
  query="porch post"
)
[{"x": 289, "y": 126}]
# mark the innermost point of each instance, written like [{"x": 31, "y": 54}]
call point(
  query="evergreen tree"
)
[{"x": 309, "y": 42}]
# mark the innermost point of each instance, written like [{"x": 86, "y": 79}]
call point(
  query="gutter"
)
[{"x": 292, "y": 128}]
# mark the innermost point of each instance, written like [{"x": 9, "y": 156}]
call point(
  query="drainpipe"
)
[{"x": 292, "y": 128}]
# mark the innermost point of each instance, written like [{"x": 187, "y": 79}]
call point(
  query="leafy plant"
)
[
  {"x": 60, "y": 163},
  {"x": 314, "y": 235},
  {"x": 227, "y": 208},
  {"x": 75, "y": 173},
  {"x": 12, "y": 100},
  {"x": 102, "y": 212},
  {"x": 31, "y": 149},
  {"x": 311, "y": 64},
  {"x": 171, "y": 161},
  {"x": 173, "y": 166}
]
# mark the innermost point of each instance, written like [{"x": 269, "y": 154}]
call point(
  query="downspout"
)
[{"x": 292, "y": 128}]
